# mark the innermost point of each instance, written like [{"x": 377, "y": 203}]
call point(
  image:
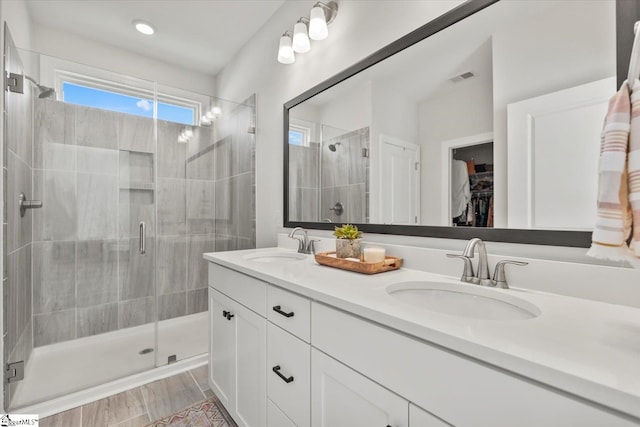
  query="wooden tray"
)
[{"x": 389, "y": 264}]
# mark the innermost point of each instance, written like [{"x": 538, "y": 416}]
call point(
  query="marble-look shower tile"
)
[
  {"x": 202, "y": 140},
  {"x": 342, "y": 194},
  {"x": 97, "y": 203},
  {"x": 23, "y": 348},
  {"x": 357, "y": 203},
  {"x": 309, "y": 204},
  {"x": 242, "y": 148},
  {"x": 200, "y": 206},
  {"x": 136, "y": 170},
  {"x": 295, "y": 204},
  {"x": 57, "y": 218},
  {"x": 223, "y": 208},
  {"x": 97, "y": 319},
  {"x": 245, "y": 243},
  {"x": 327, "y": 201},
  {"x": 357, "y": 162},
  {"x": 96, "y": 128},
  {"x": 70, "y": 418},
  {"x": 136, "y": 312},
  {"x": 134, "y": 207},
  {"x": 171, "y": 207},
  {"x": 103, "y": 161},
  {"x": 11, "y": 302},
  {"x": 20, "y": 181},
  {"x": 54, "y": 327},
  {"x": 136, "y": 270},
  {"x": 135, "y": 133},
  {"x": 245, "y": 208},
  {"x": 172, "y": 155},
  {"x": 197, "y": 266},
  {"x": 304, "y": 166},
  {"x": 54, "y": 267},
  {"x": 97, "y": 272},
  {"x": 172, "y": 264},
  {"x": 225, "y": 243},
  {"x": 24, "y": 291},
  {"x": 172, "y": 305},
  {"x": 54, "y": 135},
  {"x": 197, "y": 301},
  {"x": 223, "y": 158},
  {"x": 202, "y": 165},
  {"x": 169, "y": 395}
]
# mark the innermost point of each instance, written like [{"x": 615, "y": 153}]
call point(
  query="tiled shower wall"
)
[
  {"x": 17, "y": 231},
  {"x": 304, "y": 176},
  {"x": 94, "y": 170},
  {"x": 345, "y": 177}
]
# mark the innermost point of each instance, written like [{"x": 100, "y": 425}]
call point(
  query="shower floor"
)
[{"x": 71, "y": 366}]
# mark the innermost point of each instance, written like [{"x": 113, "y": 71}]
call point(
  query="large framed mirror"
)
[{"x": 485, "y": 122}]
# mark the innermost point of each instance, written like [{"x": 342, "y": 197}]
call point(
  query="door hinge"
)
[
  {"x": 415, "y": 165},
  {"x": 365, "y": 152},
  {"x": 15, "y": 83},
  {"x": 251, "y": 129},
  {"x": 14, "y": 372}
]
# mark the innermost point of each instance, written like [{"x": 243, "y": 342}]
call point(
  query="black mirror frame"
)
[{"x": 627, "y": 13}]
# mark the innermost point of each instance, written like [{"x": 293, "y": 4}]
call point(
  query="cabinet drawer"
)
[
  {"x": 250, "y": 292},
  {"x": 293, "y": 357},
  {"x": 289, "y": 311},
  {"x": 277, "y": 418}
]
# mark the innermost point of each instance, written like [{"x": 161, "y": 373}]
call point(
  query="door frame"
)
[{"x": 446, "y": 154}]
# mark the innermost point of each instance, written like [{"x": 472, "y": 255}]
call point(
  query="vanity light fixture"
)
[
  {"x": 301, "y": 43},
  {"x": 315, "y": 28},
  {"x": 144, "y": 27},
  {"x": 285, "y": 51}
]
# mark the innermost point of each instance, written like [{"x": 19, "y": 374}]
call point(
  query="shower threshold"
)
[{"x": 57, "y": 375}]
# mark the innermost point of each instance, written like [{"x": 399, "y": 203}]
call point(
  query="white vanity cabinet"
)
[
  {"x": 342, "y": 397},
  {"x": 238, "y": 346}
]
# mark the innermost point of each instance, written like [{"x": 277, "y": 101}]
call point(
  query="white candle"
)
[{"x": 374, "y": 254}]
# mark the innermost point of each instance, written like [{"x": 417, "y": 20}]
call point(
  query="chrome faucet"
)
[
  {"x": 482, "y": 277},
  {"x": 305, "y": 246}
]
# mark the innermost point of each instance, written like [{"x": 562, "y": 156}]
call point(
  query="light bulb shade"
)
[
  {"x": 301, "y": 42},
  {"x": 318, "y": 24},
  {"x": 285, "y": 52}
]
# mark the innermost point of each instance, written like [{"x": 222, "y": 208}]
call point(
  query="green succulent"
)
[{"x": 347, "y": 231}]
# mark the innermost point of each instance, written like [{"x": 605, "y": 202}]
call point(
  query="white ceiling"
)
[{"x": 201, "y": 35}]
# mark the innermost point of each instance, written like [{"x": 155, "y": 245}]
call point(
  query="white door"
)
[
  {"x": 399, "y": 181},
  {"x": 553, "y": 149},
  {"x": 251, "y": 371},
  {"x": 221, "y": 346},
  {"x": 341, "y": 397}
]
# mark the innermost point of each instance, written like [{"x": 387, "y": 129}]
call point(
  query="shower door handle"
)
[{"x": 143, "y": 238}]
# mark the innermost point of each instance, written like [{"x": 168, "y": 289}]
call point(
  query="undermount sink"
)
[
  {"x": 276, "y": 257},
  {"x": 463, "y": 300}
]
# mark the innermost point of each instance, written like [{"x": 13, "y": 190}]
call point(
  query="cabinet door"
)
[
  {"x": 277, "y": 418},
  {"x": 221, "y": 348},
  {"x": 251, "y": 367},
  {"x": 418, "y": 417},
  {"x": 341, "y": 397}
]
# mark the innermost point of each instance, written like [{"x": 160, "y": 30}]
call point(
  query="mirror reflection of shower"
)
[{"x": 45, "y": 91}]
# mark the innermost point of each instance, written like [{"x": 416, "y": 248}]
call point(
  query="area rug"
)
[{"x": 208, "y": 413}]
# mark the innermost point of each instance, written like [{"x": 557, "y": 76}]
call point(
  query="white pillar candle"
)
[{"x": 374, "y": 254}]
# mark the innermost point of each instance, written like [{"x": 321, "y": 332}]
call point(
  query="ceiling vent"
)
[{"x": 463, "y": 76}]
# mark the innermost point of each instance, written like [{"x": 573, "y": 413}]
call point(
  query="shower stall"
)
[{"x": 114, "y": 187}]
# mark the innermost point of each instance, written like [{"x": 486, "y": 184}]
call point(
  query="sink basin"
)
[
  {"x": 463, "y": 300},
  {"x": 276, "y": 257}
]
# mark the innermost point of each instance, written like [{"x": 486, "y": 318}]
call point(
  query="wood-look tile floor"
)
[{"x": 139, "y": 406}]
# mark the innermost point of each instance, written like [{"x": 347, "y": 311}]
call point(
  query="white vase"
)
[{"x": 348, "y": 248}]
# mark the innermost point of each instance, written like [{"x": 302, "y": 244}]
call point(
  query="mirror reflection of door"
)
[
  {"x": 471, "y": 185},
  {"x": 400, "y": 180}
]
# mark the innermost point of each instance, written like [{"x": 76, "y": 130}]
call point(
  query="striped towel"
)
[{"x": 619, "y": 180}]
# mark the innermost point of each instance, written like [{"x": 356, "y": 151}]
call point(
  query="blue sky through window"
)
[
  {"x": 296, "y": 137},
  {"x": 113, "y": 101}
]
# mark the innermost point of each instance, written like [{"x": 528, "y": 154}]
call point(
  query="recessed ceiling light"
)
[{"x": 144, "y": 27}]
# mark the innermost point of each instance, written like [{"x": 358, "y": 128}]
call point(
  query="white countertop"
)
[{"x": 587, "y": 348}]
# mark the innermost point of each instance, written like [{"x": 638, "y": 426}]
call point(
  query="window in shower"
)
[{"x": 124, "y": 103}]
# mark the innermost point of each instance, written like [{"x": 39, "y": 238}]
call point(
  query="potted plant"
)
[{"x": 348, "y": 241}]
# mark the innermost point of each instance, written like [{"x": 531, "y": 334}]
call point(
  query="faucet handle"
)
[
  {"x": 311, "y": 248},
  {"x": 499, "y": 278},
  {"x": 467, "y": 272}
]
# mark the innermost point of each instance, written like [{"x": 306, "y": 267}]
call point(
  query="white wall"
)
[
  {"x": 53, "y": 42},
  {"x": 548, "y": 67},
  {"x": 360, "y": 29},
  {"x": 457, "y": 110},
  {"x": 350, "y": 110}
]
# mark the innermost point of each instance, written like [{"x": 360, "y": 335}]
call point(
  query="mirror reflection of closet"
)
[{"x": 472, "y": 186}]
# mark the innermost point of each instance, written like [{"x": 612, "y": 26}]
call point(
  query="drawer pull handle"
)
[
  {"x": 287, "y": 380},
  {"x": 229, "y": 315},
  {"x": 278, "y": 309},
  {"x": 224, "y": 313}
]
